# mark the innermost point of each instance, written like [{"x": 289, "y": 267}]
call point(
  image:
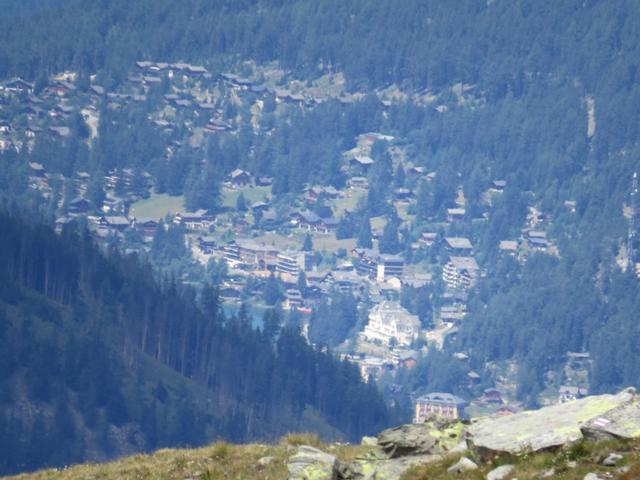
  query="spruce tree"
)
[
  {"x": 365, "y": 235},
  {"x": 307, "y": 246}
]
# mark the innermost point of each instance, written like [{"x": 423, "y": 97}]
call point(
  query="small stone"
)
[
  {"x": 500, "y": 473},
  {"x": 572, "y": 464},
  {"x": 264, "y": 461},
  {"x": 612, "y": 460},
  {"x": 460, "y": 448},
  {"x": 369, "y": 441},
  {"x": 596, "y": 476},
  {"x": 463, "y": 465},
  {"x": 624, "y": 469},
  {"x": 548, "y": 474}
]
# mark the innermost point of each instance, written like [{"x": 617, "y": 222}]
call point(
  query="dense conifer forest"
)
[{"x": 97, "y": 357}]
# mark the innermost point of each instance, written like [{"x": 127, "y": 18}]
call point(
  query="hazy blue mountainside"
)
[{"x": 100, "y": 359}]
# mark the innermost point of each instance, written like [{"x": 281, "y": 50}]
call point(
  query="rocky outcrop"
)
[
  {"x": 556, "y": 425},
  {"x": 620, "y": 422},
  {"x": 393, "y": 452},
  {"x": 428, "y": 438},
  {"x": 381, "y": 468},
  {"x": 396, "y": 450},
  {"x": 400, "y": 448},
  {"x": 309, "y": 463}
]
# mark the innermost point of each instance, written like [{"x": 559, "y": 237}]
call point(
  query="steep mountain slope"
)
[{"x": 98, "y": 360}]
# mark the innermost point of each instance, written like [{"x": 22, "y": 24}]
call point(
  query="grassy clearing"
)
[
  {"x": 348, "y": 202},
  {"x": 251, "y": 195},
  {"x": 295, "y": 240},
  {"x": 157, "y": 206},
  {"x": 329, "y": 243}
]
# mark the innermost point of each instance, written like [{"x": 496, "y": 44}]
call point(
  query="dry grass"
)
[
  {"x": 587, "y": 456},
  {"x": 297, "y": 439},
  {"x": 220, "y": 460},
  {"x": 157, "y": 206},
  {"x": 241, "y": 462}
]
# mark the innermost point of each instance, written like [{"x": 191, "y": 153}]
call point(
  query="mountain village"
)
[{"x": 297, "y": 242}]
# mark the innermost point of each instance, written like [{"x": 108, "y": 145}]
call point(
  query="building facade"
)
[
  {"x": 389, "y": 320},
  {"x": 438, "y": 405}
]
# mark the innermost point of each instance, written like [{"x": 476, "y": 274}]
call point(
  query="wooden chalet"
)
[
  {"x": 240, "y": 178},
  {"x": 198, "y": 220}
]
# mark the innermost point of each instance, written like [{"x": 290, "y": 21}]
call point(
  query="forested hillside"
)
[
  {"x": 97, "y": 358},
  {"x": 541, "y": 95},
  {"x": 498, "y": 43}
]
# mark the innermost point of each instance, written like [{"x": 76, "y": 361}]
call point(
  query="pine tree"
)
[
  {"x": 241, "y": 203},
  {"x": 389, "y": 242},
  {"x": 365, "y": 235},
  {"x": 399, "y": 177},
  {"x": 307, "y": 246},
  {"x": 272, "y": 291}
]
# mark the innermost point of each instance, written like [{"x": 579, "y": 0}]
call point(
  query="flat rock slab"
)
[
  {"x": 547, "y": 427},
  {"x": 621, "y": 422}
]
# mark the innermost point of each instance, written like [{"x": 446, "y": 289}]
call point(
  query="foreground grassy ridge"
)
[
  {"x": 217, "y": 461},
  {"x": 242, "y": 462},
  {"x": 572, "y": 463}
]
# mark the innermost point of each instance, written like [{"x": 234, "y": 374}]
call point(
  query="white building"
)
[
  {"x": 389, "y": 320},
  {"x": 461, "y": 272}
]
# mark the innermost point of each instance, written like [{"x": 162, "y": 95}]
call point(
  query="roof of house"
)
[
  {"x": 364, "y": 160},
  {"x": 464, "y": 263},
  {"x": 508, "y": 245},
  {"x": 38, "y": 167},
  {"x": 386, "y": 258},
  {"x": 62, "y": 131},
  {"x": 439, "y": 397},
  {"x": 239, "y": 172},
  {"x": 116, "y": 220},
  {"x": 392, "y": 311},
  {"x": 538, "y": 241},
  {"x": 79, "y": 201},
  {"x": 458, "y": 243},
  {"x": 456, "y": 211}
]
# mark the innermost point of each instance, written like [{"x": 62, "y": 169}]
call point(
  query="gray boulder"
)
[
  {"x": 612, "y": 459},
  {"x": 309, "y": 463},
  {"x": 592, "y": 476},
  {"x": 545, "y": 428},
  {"x": 369, "y": 441},
  {"x": 264, "y": 461},
  {"x": 463, "y": 465},
  {"x": 500, "y": 473},
  {"x": 620, "y": 422},
  {"x": 430, "y": 438},
  {"x": 403, "y": 447},
  {"x": 382, "y": 468}
]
